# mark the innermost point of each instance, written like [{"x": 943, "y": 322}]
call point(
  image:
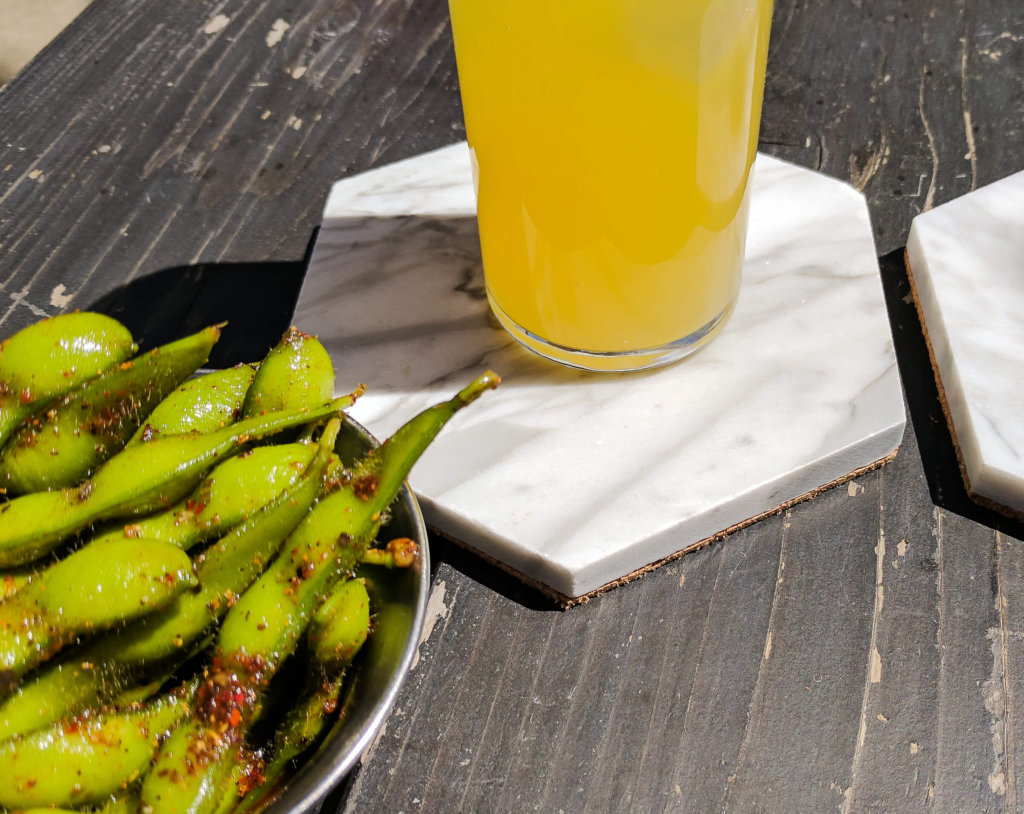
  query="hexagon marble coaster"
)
[
  {"x": 965, "y": 264},
  {"x": 576, "y": 481}
]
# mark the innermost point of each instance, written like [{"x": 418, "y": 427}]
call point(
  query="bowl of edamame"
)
[{"x": 212, "y": 583}]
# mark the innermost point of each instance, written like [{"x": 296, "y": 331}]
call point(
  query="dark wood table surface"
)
[{"x": 863, "y": 651}]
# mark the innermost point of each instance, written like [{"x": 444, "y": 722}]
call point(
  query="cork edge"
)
[
  {"x": 566, "y": 602},
  {"x": 981, "y": 500}
]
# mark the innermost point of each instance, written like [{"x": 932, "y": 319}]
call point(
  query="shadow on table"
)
[
  {"x": 472, "y": 565},
  {"x": 938, "y": 451},
  {"x": 257, "y": 301}
]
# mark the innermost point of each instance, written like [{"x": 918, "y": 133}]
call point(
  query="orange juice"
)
[{"x": 612, "y": 144}]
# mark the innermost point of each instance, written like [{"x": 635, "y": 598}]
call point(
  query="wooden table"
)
[{"x": 862, "y": 652}]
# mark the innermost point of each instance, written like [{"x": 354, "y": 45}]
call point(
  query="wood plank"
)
[
  {"x": 541, "y": 688},
  {"x": 680, "y": 721},
  {"x": 798, "y": 748},
  {"x": 167, "y": 140},
  {"x": 731, "y": 659},
  {"x": 915, "y": 103},
  {"x": 894, "y": 765},
  {"x": 589, "y": 713},
  {"x": 1007, "y": 693}
]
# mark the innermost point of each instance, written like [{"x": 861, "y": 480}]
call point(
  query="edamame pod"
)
[
  {"x": 341, "y": 625},
  {"x": 229, "y": 567},
  {"x": 234, "y": 490},
  {"x": 178, "y": 782},
  {"x": 12, "y": 582},
  {"x": 297, "y": 372},
  {"x": 266, "y": 621},
  {"x": 160, "y": 641},
  {"x": 86, "y": 760},
  {"x": 263, "y": 628},
  {"x": 54, "y": 356},
  {"x": 338, "y": 630},
  {"x": 116, "y": 805},
  {"x": 95, "y": 588},
  {"x": 256, "y": 777},
  {"x": 244, "y": 781},
  {"x": 201, "y": 404},
  {"x": 59, "y": 447},
  {"x": 141, "y": 478}
]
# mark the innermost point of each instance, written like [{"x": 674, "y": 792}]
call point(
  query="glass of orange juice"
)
[{"x": 612, "y": 143}]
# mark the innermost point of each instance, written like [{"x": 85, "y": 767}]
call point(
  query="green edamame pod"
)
[
  {"x": 341, "y": 625},
  {"x": 178, "y": 782},
  {"x": 49, "y": 695},
  {"x": 54, "y": 356},
  {"x": 297, "y": 372},
  {"x": 263, "y": 627},
  {"x": 118, "y": 805},
  {"x": 229, "y": 567},
  {"x": 59, "y": 447},
  {"x": 95, "y": 588},
  {"x": 276, "y": 608},
  {"x": 101, "y": 669},
  {"x": 202, "y": 404},
  {"x": 84, "y": 761},
  {"x": 338, "y": 630},
  {"x": 141, "y": 478},
  {"x": 12, "y": 582},
  {"x": 265, "y": 622},
  {"x": 231, "y": 492},
  {"x": 71, "y": 684}
]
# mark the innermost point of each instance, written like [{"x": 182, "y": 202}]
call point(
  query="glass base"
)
[{"x": 614, "y": 361}]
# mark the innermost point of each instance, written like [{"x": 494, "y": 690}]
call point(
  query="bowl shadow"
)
[{"x": 256, "y": 299}]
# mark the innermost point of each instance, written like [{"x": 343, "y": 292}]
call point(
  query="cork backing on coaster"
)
[
  {"x": 981, "y": 500},
  {"x": 566, "y": 602}
]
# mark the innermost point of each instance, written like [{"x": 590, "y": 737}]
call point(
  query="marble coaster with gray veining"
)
[
  {"x": 576, "y": 480},
  {"x": 965, "y": 260}
]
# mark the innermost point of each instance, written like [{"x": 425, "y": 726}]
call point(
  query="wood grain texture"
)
[
  {"x": 914, "y": 103},
  {"x": 161, "y": 135},
  {"x": 862, "y": 652},
  {"x": 896, "y": 745}
]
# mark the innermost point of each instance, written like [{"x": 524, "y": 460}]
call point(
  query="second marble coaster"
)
[
  {"x": 574, "y": 480},
  {"x": 965, "y": 264}
]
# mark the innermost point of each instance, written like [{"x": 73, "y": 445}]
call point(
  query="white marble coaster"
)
[
  {"x": 966, "y": 264},
  {"x": 576, "y": 480}
]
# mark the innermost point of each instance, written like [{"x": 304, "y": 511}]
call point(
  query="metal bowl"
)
[{"x": 398, "y": 603}]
